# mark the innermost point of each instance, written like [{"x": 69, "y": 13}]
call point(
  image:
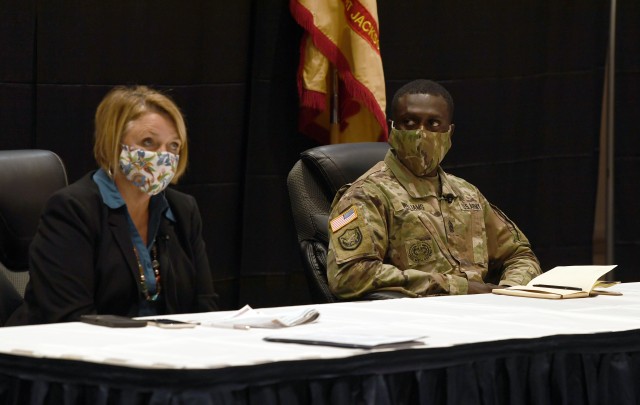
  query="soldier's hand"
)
[{"x": 476, "y": 287}]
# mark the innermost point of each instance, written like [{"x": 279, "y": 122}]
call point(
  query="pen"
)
[
  {"x": 226, "y": 325},
  {"x": 558, "y": 286}
]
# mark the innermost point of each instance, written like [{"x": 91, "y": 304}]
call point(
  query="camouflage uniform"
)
[{"x": 421, "y": 237}]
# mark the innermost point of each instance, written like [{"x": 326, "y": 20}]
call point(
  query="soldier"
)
[{"x": 408, "y": 226}]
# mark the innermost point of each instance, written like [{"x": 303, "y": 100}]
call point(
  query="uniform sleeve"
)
[
  {"x": 358, "y": 244},
  {"x": 509, "y": 249}
]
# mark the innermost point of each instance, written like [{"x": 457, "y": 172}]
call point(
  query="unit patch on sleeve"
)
[
  {"x": 343, "y": 219},
  {"x": 350, "y": 239}
]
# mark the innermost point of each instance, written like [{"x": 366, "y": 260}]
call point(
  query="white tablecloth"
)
[{"x": 445, "y": 321}]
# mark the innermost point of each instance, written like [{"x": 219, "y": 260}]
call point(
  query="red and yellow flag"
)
[{"x": 341, "y": 36}]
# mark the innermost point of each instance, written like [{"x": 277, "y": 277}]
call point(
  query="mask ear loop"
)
[{"x": 109, "y": 172}]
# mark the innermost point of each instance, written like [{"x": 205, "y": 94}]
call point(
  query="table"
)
[{"x": 478, "y": 349}]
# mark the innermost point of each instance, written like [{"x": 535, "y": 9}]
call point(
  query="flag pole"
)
[
  {"x": 611, "y": 133},
  {"x": 603, "y": 231},
  {"x": 334, "y": 119},
  {"x": 600, "y": 222}
]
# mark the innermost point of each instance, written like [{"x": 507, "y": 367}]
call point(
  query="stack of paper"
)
[{"x": 247, "y": 318}]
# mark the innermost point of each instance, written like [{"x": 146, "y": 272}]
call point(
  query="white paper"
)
[
  {"x": 583, "y": 277},
  {"x": 247, "y": 318}
]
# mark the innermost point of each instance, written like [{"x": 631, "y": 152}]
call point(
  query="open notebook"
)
[{"x": 564, "y": 282}]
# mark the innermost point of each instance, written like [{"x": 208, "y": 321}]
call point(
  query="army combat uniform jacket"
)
[{"x": 391, "y": 230}]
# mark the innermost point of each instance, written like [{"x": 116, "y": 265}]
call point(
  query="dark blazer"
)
[{"x": 82, "y": 260}]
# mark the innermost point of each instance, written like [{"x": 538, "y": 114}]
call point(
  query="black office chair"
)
[
  {"x": 312, "y": 183},
  {"x": 27, "y": 180}
]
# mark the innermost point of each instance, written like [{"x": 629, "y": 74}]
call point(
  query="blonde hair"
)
[{"x": 121, "y": 106}]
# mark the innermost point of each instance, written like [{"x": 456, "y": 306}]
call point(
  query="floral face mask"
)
[
  {"x": 421, "y": 151},
  {"x": 151, "y": 172}
]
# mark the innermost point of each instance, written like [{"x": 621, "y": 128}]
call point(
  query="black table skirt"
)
[{"x": 601, "y": 368}]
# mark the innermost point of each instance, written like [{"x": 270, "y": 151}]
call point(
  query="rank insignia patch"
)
[
  {"x": 350, "y": 239},
  {"x": 343, "y": 219}
]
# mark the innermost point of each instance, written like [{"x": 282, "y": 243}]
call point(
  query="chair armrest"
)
[{"x": 321, "y": 226}]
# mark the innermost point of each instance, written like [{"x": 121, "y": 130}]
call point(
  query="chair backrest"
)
[
  {"x": 312, "y": 183},
  {"x": 27, "y": 180}
]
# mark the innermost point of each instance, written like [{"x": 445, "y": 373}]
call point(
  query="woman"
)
[{"x": 118, "y": 241}]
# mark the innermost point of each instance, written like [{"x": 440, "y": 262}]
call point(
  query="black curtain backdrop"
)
[{"x": 527, "y": 81}]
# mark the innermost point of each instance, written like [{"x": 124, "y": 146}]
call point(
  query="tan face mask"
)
[{"x": 421, "y": 151}]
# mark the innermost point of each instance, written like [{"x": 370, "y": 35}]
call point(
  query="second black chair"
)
[{"x": 312, "y": 183}]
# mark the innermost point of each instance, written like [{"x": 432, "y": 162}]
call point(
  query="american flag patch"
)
[{"x": 343, "y": 219}]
